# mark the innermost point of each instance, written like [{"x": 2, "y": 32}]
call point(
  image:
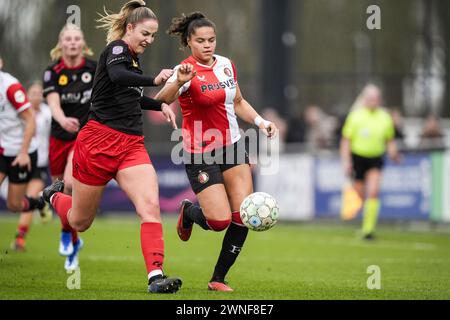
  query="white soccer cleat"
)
[{"x": 72, "y": 261}]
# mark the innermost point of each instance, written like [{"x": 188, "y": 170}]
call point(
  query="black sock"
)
[
  {"x": 31, "y": 204},
  {"x": 195, "y": 214},
  {"x": 231, "y": 247}
]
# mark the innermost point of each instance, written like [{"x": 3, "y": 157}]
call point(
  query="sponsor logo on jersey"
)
[
  {"x": 138, "y": 89},
  {"x": 86, "y": 77},
  {"x": 219, "y": 86},
  {"x": 117, "y": 50},
  {"x": 71, "y": 97},
  {"x": 228, "y": 72},
  {"x": 63, "y": 80},
  {"x": 203, "y": 177},
  {"x": 19, "y": 96}
]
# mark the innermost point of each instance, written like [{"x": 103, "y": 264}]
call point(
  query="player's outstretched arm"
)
[{"x": 246, "y": 112}]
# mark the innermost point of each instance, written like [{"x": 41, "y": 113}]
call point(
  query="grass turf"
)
[{"x": 291, "y": 261}]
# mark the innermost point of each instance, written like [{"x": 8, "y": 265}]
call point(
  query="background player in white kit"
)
[
  {"x": 40, "y": 176},
  {"x": 18, "y": 147}
]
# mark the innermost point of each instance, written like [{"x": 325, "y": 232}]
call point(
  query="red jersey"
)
[{"x": 207, "y": 104}]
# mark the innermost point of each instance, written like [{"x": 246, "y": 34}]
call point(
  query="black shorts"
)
[
  {"x": 41, "y": 173},
  {"x": 362, "y": 164},
  {"x": 204, "y": 170},
  {"x": 17, "y": 174}
]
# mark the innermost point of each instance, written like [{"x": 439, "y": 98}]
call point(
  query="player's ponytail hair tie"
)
[
  {"x": 116, "y": 23},
  {"x": 185, "y": 26}
]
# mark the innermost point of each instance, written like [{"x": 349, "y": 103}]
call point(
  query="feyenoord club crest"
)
[
  {"x": 86, "y": 77},
  {"x": 203, "y": 177},
  {"x": 228, "y": 72}
]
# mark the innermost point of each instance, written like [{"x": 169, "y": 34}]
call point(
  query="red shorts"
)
[
  {"x": 100, "y": 152},
  {"x": 58, "y": 153}
]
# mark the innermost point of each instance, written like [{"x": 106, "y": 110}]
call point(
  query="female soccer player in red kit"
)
[
  {"x": 210, "y": 98},
  {"x": 111, "y": 144},
  {"x": 67, "y": 88}
]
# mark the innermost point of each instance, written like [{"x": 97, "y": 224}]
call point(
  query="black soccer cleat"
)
[
  {"x": 57, "y": 186},
  {"x": 369, "y": 237},
  {"x": 163, "y": 284},
  {"x": 184, "y": 229}
]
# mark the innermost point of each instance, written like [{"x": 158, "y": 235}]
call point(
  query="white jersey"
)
[
  {"x": 13, "y": 101},
  {"x": 43, "y": 127}
]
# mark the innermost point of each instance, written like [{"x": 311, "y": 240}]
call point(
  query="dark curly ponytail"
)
[{"x": 185, "y": 26}]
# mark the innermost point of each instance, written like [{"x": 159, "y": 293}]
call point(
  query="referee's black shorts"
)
[
  {"x": 204, "y": 170},
  {"x": 362, "y": 164}
]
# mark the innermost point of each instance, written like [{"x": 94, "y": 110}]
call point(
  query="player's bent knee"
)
[
  {"x": 81, "y": 225},
  {"x": 218, "y": 226},
  {"x": 14, "y": 206}
]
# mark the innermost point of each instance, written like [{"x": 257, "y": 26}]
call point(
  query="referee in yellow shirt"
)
[{"x": 367, "y": 133}]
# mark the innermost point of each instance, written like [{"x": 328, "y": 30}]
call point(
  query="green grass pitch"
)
[{"x": 291, "y": 261}]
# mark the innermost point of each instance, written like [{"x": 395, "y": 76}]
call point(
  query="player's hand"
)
[
  {"x": 396, "y": 157},
  {"x": 348, "y": 168},
  {"x": 269, "y": 129},
  {"x": 185, "y": 73},
  {"x": 163, "y": 76},
  {"x": 170, "y": 116},
  {"x": 23, "y": 161},
  {"x": 70, "y": 124}
]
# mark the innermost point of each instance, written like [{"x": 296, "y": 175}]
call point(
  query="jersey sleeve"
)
[
  {"x": 349, "y": 127},
  {"x": 17, "y": 97},
  {"x": 118, "y": 53},
  {"x": 49, "y": 82},
  {"x": 234, "y": 72},
  {"x": 173, "y": 78}
]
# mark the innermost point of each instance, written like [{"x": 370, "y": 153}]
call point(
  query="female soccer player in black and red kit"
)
[
  {"x": 111, "y": 144},
  {"x": 210, "y": 98},
  {"x": 67, "y": 87}
]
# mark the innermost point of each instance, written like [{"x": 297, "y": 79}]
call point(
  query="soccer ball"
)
[{"x": 259, "y": 211}]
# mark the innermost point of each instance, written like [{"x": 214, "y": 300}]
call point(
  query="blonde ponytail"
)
[
  {"x": 56, "y": 52},
  {"x": 116, "y": 23}
]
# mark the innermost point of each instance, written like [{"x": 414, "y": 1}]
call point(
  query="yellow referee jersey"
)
[{"x": 368, "y": 130}]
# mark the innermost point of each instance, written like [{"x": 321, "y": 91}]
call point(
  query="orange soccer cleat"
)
[{"x": 219, "y": 286}]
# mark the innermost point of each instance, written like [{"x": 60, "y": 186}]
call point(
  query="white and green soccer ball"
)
[{"x": 259, "y": 211}]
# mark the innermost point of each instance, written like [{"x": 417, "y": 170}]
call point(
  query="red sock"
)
[
  {"x": 62, "y": 204},
  {"x": 236, "y": 219},
  {"x": 152, "y": 244},
  {"x": 22, "y": 231},
  {"x": 74, "y": 236}
]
